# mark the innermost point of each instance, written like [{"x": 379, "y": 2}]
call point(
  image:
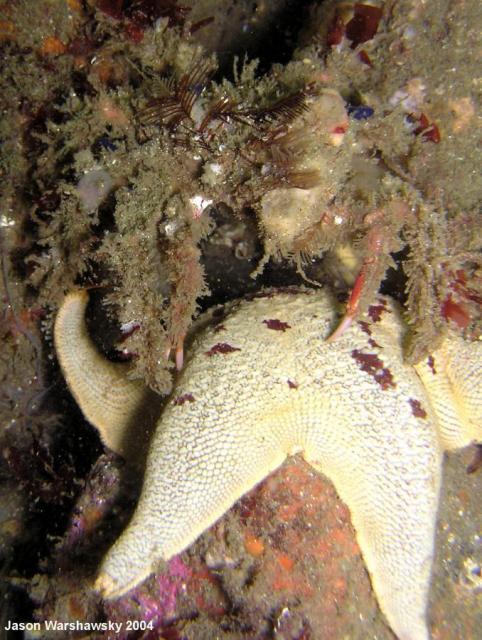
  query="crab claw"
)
[
  {"x": 351, "y": 307},
  {"x": 178, "y": 352}
]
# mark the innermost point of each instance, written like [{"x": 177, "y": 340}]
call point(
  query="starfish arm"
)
[
  {"x": 107, "y": 398},
  {"x": 392, "y": 493},
  {"x": 452, "y": 376},
  {"x": 192, "y": 478},
  {"x": 224, "y": 430},
  {"x": 370, "y": 428}
]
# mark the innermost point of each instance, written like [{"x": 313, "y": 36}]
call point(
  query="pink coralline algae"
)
[
  {"x": 171, "y": 584},
  {"x": 156, "y": 605},
  {"x": 162, "y": 605}
]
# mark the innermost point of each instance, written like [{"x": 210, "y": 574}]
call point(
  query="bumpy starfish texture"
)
[
  {"x": 123, "y": 410},
  {"x": 263, "y": 384}
]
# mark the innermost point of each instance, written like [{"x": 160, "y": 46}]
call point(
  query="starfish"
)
[{"x": 261, "y": 384}]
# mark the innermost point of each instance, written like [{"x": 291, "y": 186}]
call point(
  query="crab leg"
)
[{"x": 375, "y": 241}]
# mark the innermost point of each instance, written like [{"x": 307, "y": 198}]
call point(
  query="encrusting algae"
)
[{"x": 136, "y": 165}]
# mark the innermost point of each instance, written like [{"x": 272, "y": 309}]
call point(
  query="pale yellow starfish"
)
[
  {"x": 123, "y": 410},
  {"x": 263, "y": 384}
]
